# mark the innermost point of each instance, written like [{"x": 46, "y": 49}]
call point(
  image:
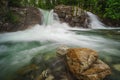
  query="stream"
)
[{"x": 18, "y": 49}]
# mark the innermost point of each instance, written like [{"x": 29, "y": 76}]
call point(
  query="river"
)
[{"x": 18, "y": 49}]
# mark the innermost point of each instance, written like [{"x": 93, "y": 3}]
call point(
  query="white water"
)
[
  {"x": 94, "y": 22},
  {"x": 54, "y": 31}
]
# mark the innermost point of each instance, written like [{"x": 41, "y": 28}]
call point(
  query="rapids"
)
[{"x": 17, "y": 49}]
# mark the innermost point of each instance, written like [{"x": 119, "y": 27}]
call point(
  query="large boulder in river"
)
[
  {"x": 84, "y": 64},
  {"x": 74, "y": 16},
  {"x": 20, "y": 19}
]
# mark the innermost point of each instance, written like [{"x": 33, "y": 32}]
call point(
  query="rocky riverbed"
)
[{"x": 69, "y": 64}]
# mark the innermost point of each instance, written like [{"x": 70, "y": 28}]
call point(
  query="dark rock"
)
[
  {"x": 25, "y": 18},
  {"x": 111, "y": 22},
  {"x": 74, "y": 16}
]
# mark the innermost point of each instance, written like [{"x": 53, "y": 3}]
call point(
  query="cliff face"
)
[{"x": 23, "y": 18}]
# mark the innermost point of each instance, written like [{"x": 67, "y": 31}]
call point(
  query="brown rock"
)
[
  {"x": 79, "y": 59},
  {"x": 97, "y": 71},
  {"x": 84, "y": 64}
]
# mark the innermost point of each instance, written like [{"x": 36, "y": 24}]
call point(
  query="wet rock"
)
[
  {"x": 98, "y": 71},
  {"x": 45, "y": 75},
  {"x": 27, "y": 73},
  {"x": 28, "y": 69},
  {"x": 117, "y": 67},
  {"x": 62, "y": 50},
  {"x": 80, "y": 59},
  {"x": 84, "y": 64},
  {"x": 72, "y": 15}
]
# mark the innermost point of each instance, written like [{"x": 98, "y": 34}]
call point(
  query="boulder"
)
[
  {"x": 74, "y": 16},
  {"x": 84, "y": 64},
  {"x": 80, "y": 59}
]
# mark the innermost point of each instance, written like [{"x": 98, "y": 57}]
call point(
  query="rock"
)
[
  {"x": 45, "y": 75},
  {"x": 84, "y": 64},
  {"x": 24, "y": 18},
  {"x": 27, "y": 69},
  {"x": 62, "y": 50},
  {"x": 117, "y": 67},
  {"x": 72, "y": 15},
  {"x": 80, "y": 59},
  {"x": 97, "y": 71},
  {"x": 27, "y": 73}
]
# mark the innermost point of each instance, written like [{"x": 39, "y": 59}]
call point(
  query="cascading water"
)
[
  {"x": 94, "y": 22},
  {"x": 17, "y": 49},
  {"x": 49, "y": 17}
]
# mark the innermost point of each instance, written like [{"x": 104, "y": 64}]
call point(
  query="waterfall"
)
[
  {"x": 48, "y": 17},
  {"x": 94, "y": 22}
]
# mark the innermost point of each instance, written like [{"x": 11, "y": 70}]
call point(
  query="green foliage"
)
[
  {"x": 11, "y": 17},
  {"x": 14, "y": 3},
  {"x": 113, "y": 9}
]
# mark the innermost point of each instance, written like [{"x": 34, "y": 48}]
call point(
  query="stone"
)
[
  {"x": 62, "y": 50},
  {"x": 98, "y": 71},
  {"x": 72, "y": 15},
  {"x": 27, "y": 69},
  {"x": 25, "y": 18},
  {"x": 79, "y": 59},
  {"x": 84, "y": 64},
  {"x": 45, "y": 75},
  {"x": 117, "y": 67}
]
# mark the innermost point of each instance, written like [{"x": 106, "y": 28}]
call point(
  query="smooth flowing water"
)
[{"x": 18, "y": 49}]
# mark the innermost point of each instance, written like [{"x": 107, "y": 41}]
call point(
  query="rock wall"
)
[
  {"x": 72, "y": 15},
  {"x": 27, "y": 17}
]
